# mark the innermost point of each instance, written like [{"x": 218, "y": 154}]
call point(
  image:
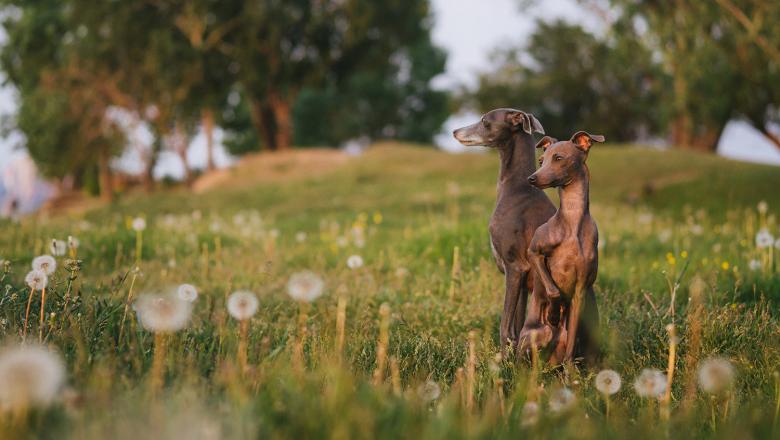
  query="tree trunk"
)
[
  {"x": 263, "y": 121},
  {"x": 104, "y": 176},
  {"x": 182, "y": 145},
  {"x": 207, "y": 118},
  {"x": 772, "y": 137},
  {"x": 283, "y": 116},
  {"x": 151, "y": 162}
]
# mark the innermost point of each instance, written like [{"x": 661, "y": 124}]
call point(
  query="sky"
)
[{"x": 469, "y": 30}]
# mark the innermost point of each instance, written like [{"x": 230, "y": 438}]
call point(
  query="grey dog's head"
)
[{"x": 497, "y": 126}]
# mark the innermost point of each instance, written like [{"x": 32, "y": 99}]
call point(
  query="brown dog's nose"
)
[{"x": 532, "y": 179}]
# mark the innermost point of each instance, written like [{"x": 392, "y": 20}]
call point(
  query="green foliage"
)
[{"x": 572, "y": 80}]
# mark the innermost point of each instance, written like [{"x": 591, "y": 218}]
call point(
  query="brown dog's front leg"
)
[{"x": 538, "y": 261}]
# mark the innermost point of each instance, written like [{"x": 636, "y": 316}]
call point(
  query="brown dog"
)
[
  {"x": 564, "y": 250},
  {"x": 520, "y": 208}
]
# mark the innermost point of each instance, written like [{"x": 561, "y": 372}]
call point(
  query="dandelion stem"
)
[
  {"x": 298, "y": 349},
  {"x": 384, "y": 339},
  {"x": 242, "y": 344},
  {"x": 532, "y": 388},
  {"x": 666, "y": 400},
  {"x": 395, "y": 375},
  {"x": 43, "y": 305},
  {"x": 158, "y": 361},
  {"x": 27, "y": 313},
  {"x": 341, "y": 320}
]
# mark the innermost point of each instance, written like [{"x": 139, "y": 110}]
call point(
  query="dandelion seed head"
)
[
  {"x": 187, "y": 292},
  {"x": 429, "y": 391},
  {"x": 650, "y": 383},
  {"x": 763, "y": 207},
  {"x": 754, "y": 265},
  {"x": 300, "y": 236},
  {"x": 58, "y": 247},
  {"x": 242, "y": 304},
  {"x": 716, "y": 375},
  {"x": 305, "y": 286},
  {"x": 138, "y": 224},
  {"x": 764, "y": 238},
  {"x": 29, "y": 376},
  {"x": 46, "y": 263},
  {"x": 562, "y": 400},
  {"x": 608, "y": 382},
  {"x": 36, "y": 279},
  {"x": 73, "y": 242},
  {"x": 162, "y": 313},
  {"x": 355, "y": 262},
  {"x": 529, "y": 415}
]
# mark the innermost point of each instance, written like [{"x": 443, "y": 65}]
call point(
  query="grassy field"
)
[{"x": 418, "y": 218}]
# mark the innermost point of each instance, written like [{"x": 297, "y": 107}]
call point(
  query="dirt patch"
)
[{"x": 272, "y": 167}]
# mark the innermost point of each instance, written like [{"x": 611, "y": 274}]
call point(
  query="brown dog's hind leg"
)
[
  {"x": 573, "y": 322},
  {"x": 589, "y": 346}
]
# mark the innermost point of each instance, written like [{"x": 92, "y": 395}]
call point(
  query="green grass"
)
[{"x": 662, "y": 216}]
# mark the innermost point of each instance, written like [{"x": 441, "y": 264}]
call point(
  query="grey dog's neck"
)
[{"x": 518, "y": 160}]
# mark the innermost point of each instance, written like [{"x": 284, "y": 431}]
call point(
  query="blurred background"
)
[{"x": 101, "y": 98}]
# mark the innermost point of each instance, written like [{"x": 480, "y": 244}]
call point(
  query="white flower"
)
[
  {"x": 764, "y": 239},
  {"x": 763, "y": 207},
  {"x": 162, "y": 313},
  {"x": 29, "y": 376},
  {"x": 530, "y": 414},
  {"x": 561, "y": 400},
  {"x": 355, "y": 262},
  {"x": 58, "y": 247},
  {"x": 305, "y": 286},
  {"x": 46, "y": 263},
  {"x": 73, "y": 242},
  {"x": 697, "y": 229},
  {"x": 36, "y": 279},
  {"x": 242, "y": 304},
  {"x": 664, "y": 235},
  {"x": 429, "y": 391},
  {"x": 300, "y": 236},
  {"x": 650, "y": 383},
  {"x": 754, "y": 265},
  {"x": 138, "y": 224},
  {"x": 187, "y": 292},
  {"x": 608, "y": 382},
  {"x": 716, "y": 375}
]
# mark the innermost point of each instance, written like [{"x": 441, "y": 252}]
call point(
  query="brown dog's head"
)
[
  {"x": 496, "y": 126},
  {"x": 562, "y": 161}
]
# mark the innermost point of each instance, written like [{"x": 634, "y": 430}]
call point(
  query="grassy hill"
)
[{"x": 417, "y": 217}]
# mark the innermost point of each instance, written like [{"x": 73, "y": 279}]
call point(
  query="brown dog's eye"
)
[
  {"x": 541, "y": 161},
  {"x": 485, "y": 123},
  {"x": 557, "y": 158}
]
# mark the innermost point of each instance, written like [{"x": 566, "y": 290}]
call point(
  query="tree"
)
[
  {"x": 572, "y": 80},
  {"x": 723, "y": 59}
]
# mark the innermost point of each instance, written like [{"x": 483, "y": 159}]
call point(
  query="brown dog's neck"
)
[
  {"x": 575, "y": 197},
  {"x": 518, "y": 160}
]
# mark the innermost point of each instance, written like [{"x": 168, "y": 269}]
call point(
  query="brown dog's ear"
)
[
  {"x": 525, "y": 120},
  {"x": 546, "y": 142},
  {"x": 583, "y": 140}
]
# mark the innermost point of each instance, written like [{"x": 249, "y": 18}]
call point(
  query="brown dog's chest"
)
[{"x": 571, "y": 263}]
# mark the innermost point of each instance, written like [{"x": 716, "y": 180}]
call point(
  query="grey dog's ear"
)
[
  {"x": 583, "y": 140},
  {"x": 545, "y": 142},
  {"x": 528, "y": 121}
]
